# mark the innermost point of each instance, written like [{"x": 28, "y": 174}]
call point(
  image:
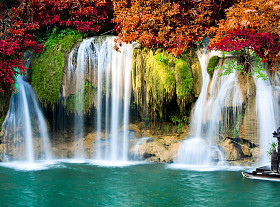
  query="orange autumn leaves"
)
[
  {"x": 172, "y": 25},
  {"x": 178, "y": 24}
]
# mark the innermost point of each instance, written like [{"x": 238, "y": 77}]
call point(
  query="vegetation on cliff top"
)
[
  {"x": 252, "y": 25},
  {"x": 172, "y": 25}
]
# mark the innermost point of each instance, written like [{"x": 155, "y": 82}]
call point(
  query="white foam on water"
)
[
  {"x": 104, "y": 163},
  {"x": 208, "y": 168},
  {"x": 29, "y": 166}
]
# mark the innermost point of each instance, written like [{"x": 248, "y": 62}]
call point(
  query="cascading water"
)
[
  {"x": 114, "y": 71},
  {"x": 25, "y": 131},
  {"x": 110, "y": 72},
  {"x": 267, "y": 108},
  {"x": 84, "y": 61},
  {"x": 217, "y": 108},
  {"x": 138, "y": 149}
]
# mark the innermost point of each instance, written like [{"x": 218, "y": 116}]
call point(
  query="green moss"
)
[
  {"x": 89, "y": 92},
  {"x": 47, "y": 67},
  {"x": 213, "y": 62},
  {"x": 184, "y": 79},
  {"x": 69, "y": 40},
  {"x": 158, "y": 79},
  {"x": 83, "y": 101}
]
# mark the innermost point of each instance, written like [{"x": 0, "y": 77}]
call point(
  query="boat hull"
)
[{"x": 269, "y": 177}]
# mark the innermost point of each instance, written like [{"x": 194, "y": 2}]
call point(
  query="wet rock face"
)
[
  {"x": 145, "y": 145},
  {"x": 249, "y": 126},
  {"x": 163, "y": 149},
  {"x": 232, "y": 150},
  {"x": 4, "y": 106}
]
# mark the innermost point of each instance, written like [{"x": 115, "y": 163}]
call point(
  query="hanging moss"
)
[
  {"x": 47, "y": 67},
  {"x": 82, "y": 101},
  {"x": 213, "y": 62},
  {"x": 89, "y": 92},
  {"x": 184, "y": 80},
  {"x": 191, "y": 58},
  {"x": 159, "y": 79}
]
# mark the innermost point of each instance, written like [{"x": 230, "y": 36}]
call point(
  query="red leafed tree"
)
[
  {"x": 83, "y": 15},
  {"x": 21, "y": 21},
  {"x": 172, "y": 25},
  {"x": 251, "y": 24},
  {"x": 15, "y": 38}
]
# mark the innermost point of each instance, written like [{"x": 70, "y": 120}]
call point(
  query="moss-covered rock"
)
[
  {"x": 213, "y": 62},
  {"x": 83, "y": 101},
  {"x": 191, "y": 58},
  {"x": 162, "y": 84},
  {"x": 184, "y": 80},
  {"x": 47, "y": 67},
  {"x": 4, "y": 105}
]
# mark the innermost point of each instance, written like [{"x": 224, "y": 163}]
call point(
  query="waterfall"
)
[
  {"x": 109, "y": 72},
  {"x": 114, "y": 70},
  {"x": 25, "y": 131},
  {"x": 267, "y": 108},
  {"x": 217, "y": 108},
  {"x": 84, "y": 60}
]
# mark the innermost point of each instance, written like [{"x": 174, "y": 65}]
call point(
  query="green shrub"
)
[{"x": 213, "y": 62}]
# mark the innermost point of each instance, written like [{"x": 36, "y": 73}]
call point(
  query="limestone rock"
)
[
  {"x": 159, "y": 149},
  {"x": 231, "y": 152},
  {"x": 249, "y": 126}
]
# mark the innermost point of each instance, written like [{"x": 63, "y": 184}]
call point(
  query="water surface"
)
[{"x": 84, "y": 184}]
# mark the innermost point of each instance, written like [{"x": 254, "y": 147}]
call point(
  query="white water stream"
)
[
  {"x": 25, "y": 130},
  {"x": 218, "y": 105},
  {"x": 267, "y": 109},
  {"x": 112, "y": 76}
]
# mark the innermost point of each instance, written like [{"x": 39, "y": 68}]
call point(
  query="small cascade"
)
[
  {"x": 201, "y": 101},
  {"x": 138, "y": 150},
  {"x": 267, "y": 108},
  {"x": 197, "y": 151},
  {"x": 109, "y": 72},
  {"x": 25, "y": 132},
  {"x": 216, "y": 112}
]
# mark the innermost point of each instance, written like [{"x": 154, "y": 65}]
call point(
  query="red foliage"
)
[
  {"x": 265, "y": 45},
  {"x": 83, "y": 15},
  {"x": 252, "y": 24},
  {"x": 16, "y": 39},
  {"x": 20, "y": 21}
]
